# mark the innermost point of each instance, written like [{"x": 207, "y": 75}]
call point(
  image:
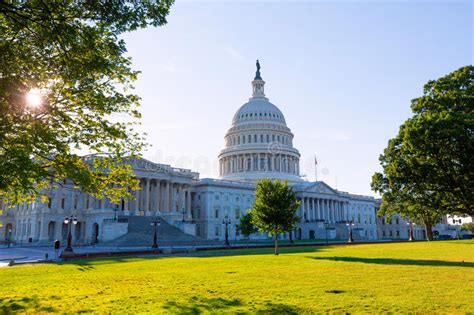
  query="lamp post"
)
[
  {"x": 226, "y": 221},
  {"x": 9, "y": 237},
  {"x": 115, "y": 212},
  {"x": 326, "y": 225},
  {"x": 184, "y": 213},
  {"x": 350, "y": 224},
  {"x": 69, "y": 221},
  {"x": 411, "y": 237},
  {"x": 155, "y": 222}
]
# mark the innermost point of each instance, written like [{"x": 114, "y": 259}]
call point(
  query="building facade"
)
[{"x": 258, "y": 144}]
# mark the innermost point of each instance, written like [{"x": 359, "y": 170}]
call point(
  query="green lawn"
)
[{"x": 401, "y": 277}]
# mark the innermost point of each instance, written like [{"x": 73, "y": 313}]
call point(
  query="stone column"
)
[
  {"x": 147, "y": 197},
  {"x": 188, "y": 204},
  {"x": 182, "y": 196},
  {"x": 168, "y": 197},
  {"x": 313, "y": 211},
  {"x": 310, "y": 209},
  {"x": 320, "y": 211},
  {"x": 158, "y": 195},
  {"x": 173, "y": 197},
  {"x": 136, "y": 194},
  {"x": 302, "y": 207}
]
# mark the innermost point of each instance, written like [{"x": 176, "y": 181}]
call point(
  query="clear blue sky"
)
[{"x": 342, "y": 72}]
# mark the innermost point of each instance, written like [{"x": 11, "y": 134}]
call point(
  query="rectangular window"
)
[
  {"x": 237, "y": 213},
  {"x": 216, "y": 213},
  {"x": 217, "y": 230}
]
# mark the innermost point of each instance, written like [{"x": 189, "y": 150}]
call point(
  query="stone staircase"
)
[{"x": 140, "y": 234}]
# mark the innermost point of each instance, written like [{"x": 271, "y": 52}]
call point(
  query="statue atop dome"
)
[{"x": 257, "y": 74}]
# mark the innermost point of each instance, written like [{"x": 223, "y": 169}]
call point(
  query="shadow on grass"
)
[
  {"x": 392, "y": 261},
  {"x": 86, "y": 264},
  {"x": 197, "y": 305},
  {"x": 23, "y": 305}
]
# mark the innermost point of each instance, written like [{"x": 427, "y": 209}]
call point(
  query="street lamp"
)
[
  {"x": 411, "y": 237},
  {"x": 326, "y": 226},
  {"x": 350, "y": 224},
  {"x": 115, "y": 212},
  {"x": 69, "y": 221},
  {"x": 9, "y": 237},
  {"x": 226, "y": 221},
  {"x": 155, "y": 222}
]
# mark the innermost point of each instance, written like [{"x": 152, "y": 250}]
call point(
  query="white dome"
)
[
  {"x": 259, "y": 144},
  {"x": 258, "y": 109}
]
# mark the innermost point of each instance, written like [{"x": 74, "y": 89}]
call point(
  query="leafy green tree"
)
[
  {"x": 246, "y": 226},
  {"x": 66, "y": 104},
  {"x": 275, "y": 207},
  {"x": 428, "y": 166},
  {"x": 468, "y": 227}
]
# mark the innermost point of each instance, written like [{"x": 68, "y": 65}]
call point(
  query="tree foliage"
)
[
  {"x": 468, "y": 227},
  {"x": 275, "y": 207},
  {"x": 428, "y": 166},
  {"x": 246, "y": 226},
  {"x": 69, "y": 54}
]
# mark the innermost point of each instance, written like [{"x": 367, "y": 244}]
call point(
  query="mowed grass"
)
[{"x": 421, "y": 277}]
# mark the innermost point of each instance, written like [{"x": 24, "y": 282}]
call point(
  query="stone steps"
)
[{"x": 140, "y": 233}]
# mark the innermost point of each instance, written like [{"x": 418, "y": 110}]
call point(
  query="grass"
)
[{"x": 417, "y": 277}]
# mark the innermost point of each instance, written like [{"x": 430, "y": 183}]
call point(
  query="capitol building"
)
[{"x": 258, "y": 144}]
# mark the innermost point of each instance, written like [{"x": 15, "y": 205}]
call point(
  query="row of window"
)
[
  {"x": 390, "y": 233},
  {"x": 259, "y": 114},
  {"x": 236, "y": 140},
  {"x": 217, "y": 213}
]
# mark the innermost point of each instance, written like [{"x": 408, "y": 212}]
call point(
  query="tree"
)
[
  {"x": 275, "y": 207},
  {"x": 66, "y": 104},
  {"x": 468, "y": 227},
  {"x": 428, "y": 166},
  {"x": 246, "y": 226}
]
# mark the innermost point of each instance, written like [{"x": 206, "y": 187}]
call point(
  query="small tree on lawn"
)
[
  {"x": 274, "y": 211},
  {"x": 246, "y": 226}
]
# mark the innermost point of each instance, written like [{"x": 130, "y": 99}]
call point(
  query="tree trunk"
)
[
  {"x": 276, "y": 244},
  {"x": 291, "y": 237},
  {"x": 429, "y": 230}
]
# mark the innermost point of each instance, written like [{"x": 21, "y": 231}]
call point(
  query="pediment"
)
[{"x": 322, "y": 188}]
